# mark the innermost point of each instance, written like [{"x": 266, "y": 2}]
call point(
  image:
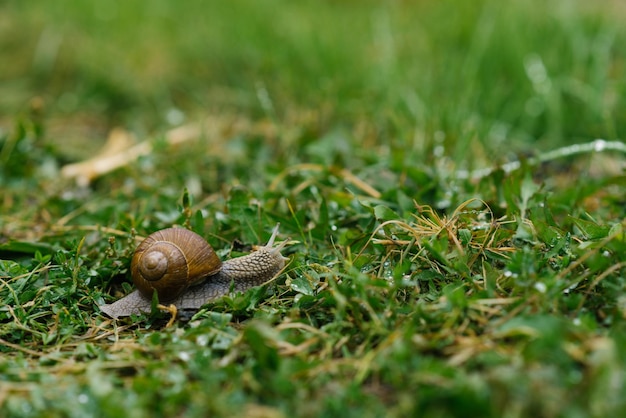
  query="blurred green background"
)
[{"x": 485, "y": 76}]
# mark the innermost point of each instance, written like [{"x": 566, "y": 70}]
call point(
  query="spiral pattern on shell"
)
[{"x": 170, "y": 261}]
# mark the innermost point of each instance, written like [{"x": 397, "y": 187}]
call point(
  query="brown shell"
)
[{"x": 171, "y": 260}]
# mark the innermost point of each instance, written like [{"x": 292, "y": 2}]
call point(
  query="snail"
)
[{"x": 184, "y": 271}]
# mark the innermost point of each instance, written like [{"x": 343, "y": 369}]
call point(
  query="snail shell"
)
[{"x": 170, "y": 261}]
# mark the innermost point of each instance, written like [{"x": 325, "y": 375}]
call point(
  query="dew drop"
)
[{"x": 599, "y": 145}]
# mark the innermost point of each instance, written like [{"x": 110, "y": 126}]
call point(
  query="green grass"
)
[{"x": 412, "y": 289}]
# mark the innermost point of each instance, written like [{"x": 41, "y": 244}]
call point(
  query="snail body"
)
[{"x": 183, "y": 269}]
